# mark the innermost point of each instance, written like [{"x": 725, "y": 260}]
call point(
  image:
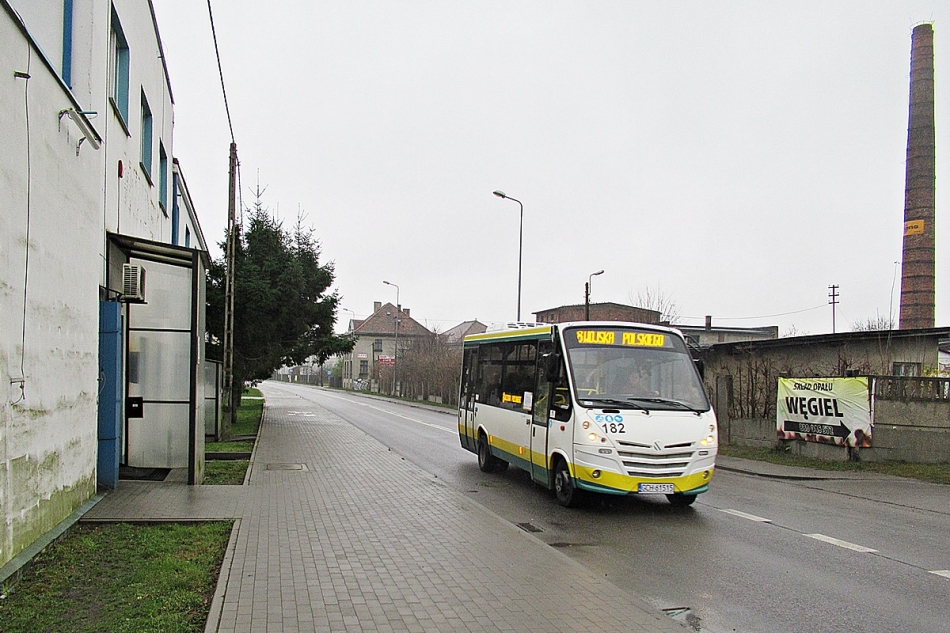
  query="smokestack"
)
[{"x": 917, "y": 269}]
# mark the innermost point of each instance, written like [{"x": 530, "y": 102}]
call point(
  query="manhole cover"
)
[{"x": 286, "y": 467}]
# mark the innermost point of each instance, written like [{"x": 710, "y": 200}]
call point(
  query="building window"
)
[
  {"x": 907, "y": 370},
  {"x": 364, "y": 368},
  {"x": 162, "y": 178},
  {"x": 378, "y": 345},
  {"x": 119, "y": 49},
  {"x": 146, "y": 158}
]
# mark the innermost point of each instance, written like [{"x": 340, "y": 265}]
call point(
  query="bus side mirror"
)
[{"x": 551, "y": 364}]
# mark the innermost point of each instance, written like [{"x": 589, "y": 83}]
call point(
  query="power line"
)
[
  {"x": 217, "y": 54},
  {"x": 764, "y": 316}
]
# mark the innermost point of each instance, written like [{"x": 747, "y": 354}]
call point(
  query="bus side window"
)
[{"x": 562, "y": 397}]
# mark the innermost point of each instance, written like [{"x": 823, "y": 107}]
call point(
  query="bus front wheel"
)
[
  {"x": 487, "y": 463},
  {"x": 565, "y": 492},
  {"x": 680, "y": 500}
]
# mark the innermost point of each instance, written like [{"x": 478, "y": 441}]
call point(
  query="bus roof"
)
[
  {"x": 512, "y": 334},
  {"x": 546, "y": 331}
]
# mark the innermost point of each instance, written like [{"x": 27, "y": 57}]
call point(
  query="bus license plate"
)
[{"x": 657, "y": 488}]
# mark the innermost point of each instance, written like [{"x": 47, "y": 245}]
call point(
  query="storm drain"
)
[
  {"x": 527, "y": 527},
  {"x": 286, "y": 467},
  {"x": 686, "y": 616}
]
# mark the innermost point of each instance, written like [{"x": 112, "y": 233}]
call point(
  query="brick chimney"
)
[
  {"x": 917, "y": 268},
  {"x": 376, "y": 306}
]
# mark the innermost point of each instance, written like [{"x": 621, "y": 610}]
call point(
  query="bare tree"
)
[
  {"x": 792, "y": 331},
  {"x": 429, "y": 367},
  {"x": 656, "y": 299},
  {"x": 872, "y": 324}
]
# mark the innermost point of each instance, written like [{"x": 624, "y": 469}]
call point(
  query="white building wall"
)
[
  {"x": 188, "y": 225},
  {"x": 132, "y": 202},
  {"x": 46, "y": 26},
  {"x": 67, "y": 202},
  {"x": 48, "y": 299}
]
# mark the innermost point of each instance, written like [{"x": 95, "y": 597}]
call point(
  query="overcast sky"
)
[{"x": 739, "y": 156}]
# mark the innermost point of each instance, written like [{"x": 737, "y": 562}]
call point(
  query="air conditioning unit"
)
[{"x": 133, "y": 283}]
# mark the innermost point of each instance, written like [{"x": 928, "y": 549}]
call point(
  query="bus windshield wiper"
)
[
  {"x": 668, "y": 401},
  {"x": 620, "y": 403}
]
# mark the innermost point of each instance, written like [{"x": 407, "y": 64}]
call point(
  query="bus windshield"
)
[{"x": 631, "y": 367}]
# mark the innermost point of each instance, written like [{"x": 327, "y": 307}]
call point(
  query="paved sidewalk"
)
[{"x": 334, "y": 532}]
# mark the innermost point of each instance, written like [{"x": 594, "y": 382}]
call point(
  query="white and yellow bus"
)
[{"x": 603, "y": 407}]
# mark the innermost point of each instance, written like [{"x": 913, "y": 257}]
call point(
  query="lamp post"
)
[
  {"x": 501, "y": 194},
  {"x": 396, "y": 341},
  {"x": 590, "y": 278}
]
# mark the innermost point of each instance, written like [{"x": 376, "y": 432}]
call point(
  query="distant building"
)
[
  {"x": 456, "y": 335},
  {"x": 706, "y": 335},
  {"x": 376, "y": 344},
  {"x": 598, "y": 312}
]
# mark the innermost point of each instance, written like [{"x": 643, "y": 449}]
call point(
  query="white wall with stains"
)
[{"x": 58, "y": 199}]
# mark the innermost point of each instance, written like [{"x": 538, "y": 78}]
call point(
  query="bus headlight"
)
[
  {"x": 592, "y": 437},
  {"x": 708, "y": 441}
]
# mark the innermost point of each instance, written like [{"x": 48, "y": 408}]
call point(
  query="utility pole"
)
[
  {"x": 833, "y": 300},
  {"x": 227, "y": 399}
]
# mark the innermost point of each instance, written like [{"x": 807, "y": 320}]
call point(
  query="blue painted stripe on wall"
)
[
  {"x": 68, "y": 42},
  {"x": 175, "y": 209}
]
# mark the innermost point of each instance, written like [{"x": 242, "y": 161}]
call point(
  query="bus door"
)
[
  {"x": 540, "y": 421},
  {"x": 467, "y": 400}
]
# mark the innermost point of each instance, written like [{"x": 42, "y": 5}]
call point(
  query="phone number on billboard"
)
[{"x": 816, "y": 429}]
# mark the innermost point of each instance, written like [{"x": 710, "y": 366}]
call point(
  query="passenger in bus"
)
[{"x": 638, "y": 384}]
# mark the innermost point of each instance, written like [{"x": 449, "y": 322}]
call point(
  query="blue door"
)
[{"x": 110, "y": 393}]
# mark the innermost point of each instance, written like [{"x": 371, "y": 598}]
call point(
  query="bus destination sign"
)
[{"x": 620, "y": 337}]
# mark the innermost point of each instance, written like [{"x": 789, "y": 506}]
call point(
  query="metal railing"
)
[{"x": 911, "y": 388}]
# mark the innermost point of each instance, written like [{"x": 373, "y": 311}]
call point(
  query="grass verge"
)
[
  {"x": 225, "y": 472},
  {"x": 120, "y": 577},
  {"x": 231, "y": 472},
  {"x": 934, "y": 473}
]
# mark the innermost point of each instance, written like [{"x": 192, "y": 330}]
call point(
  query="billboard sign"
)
[{"x": 829, "y": 410}]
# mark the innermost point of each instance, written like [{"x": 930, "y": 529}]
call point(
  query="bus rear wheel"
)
[
  {"x": 680, "y": 500},
  {"x": 564, "y": 490}
]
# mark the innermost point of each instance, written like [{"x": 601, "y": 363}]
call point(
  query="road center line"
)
[
  {"x": 840, "y": 543},
  {"x": 404, "y": 417},
  {"x": 751, "y": 517},
  {"x": 942, "y": 572}
]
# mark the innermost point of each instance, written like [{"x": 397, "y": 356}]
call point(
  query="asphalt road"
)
[{"x": 753, "y": 554}]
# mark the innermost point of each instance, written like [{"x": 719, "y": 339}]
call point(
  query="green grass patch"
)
[
  {"x": 120, "y": 578},
  {"x": 242, "y": 446},
  {"x": 935, "y": 473},
  {"x": 225, "y": 472},
  {"x": 248, "y": 417},
  {"x": 231, "y": 472}
]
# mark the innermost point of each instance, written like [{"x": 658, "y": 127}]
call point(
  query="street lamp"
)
[
  {"x": 501, "y": 194},
  {"x": 396, "y": 341},
  {"x": 590, "y": 279}
]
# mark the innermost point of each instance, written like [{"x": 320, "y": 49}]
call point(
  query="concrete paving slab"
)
[{"x": 359, "y": 539}]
